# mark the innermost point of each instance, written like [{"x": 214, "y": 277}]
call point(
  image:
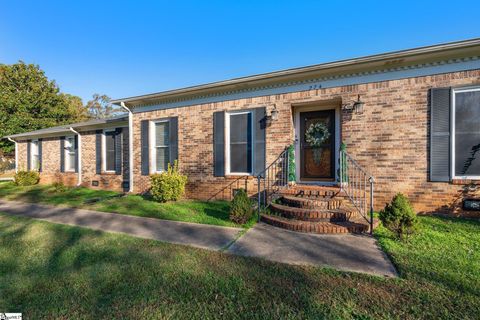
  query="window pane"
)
[
  {"x": 110, "y": 151},
  {"x": 70, "y": 161},
  {"x": 162, "y": 157},
  {"x": 467, "y": 133},
  {"x": 161, "y": 134},
  {"x": 239, "y": 127},
  {"x": 240, "y": 143}
]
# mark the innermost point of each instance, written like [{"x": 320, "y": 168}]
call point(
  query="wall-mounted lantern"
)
[
  {"x": 355, "y": 106},
  {"x": 273, "y": 116}
]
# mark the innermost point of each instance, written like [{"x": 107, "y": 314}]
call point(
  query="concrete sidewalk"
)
[
  {"x": 343, "y": 252},
  {"x": 347, "y": 252},
  {"x": 192, "y": 234}
]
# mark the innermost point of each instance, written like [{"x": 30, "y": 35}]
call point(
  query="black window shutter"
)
[
  {"x": 440, "y": 134},
  {"x": 219, "y": 144},
  {"x": 118, "y": 151},
  {"x": 40, "y": 155},
  {"x": 29, "y": 154},
  {"x": 173, "y": 136},
  {"x": 98, "y": 151},
  {"x": 144, "y": 127},
  {"x": 125, "y": 151},
  {"x": 76, "y": 153},
  {"x": 62, "y": 154},
  {"x": 259, "y": 145}
]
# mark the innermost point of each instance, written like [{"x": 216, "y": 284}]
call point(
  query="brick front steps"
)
[
  {"x": 316, "y": 227},
  {"x": 312, "y": 203},
  {"x": 315, "y": 209},
  {"x": 313, "y": 214}
]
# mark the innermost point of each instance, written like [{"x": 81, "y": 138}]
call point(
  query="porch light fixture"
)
[
  {"x": 273, "y": 115},
  {"x": 356, "y": 106}
]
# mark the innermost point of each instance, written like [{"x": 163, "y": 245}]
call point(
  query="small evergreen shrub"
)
[
  {"x": 399, "y": 216},
  {"x": 168, "y": 185},
  {"x": 59, "y": 187},
  {"x": 26, "y": 178},
  {"x": 241, "y": 207}
]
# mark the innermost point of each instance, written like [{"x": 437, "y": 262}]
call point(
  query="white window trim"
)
[
  {"x": 153, "y": 145},
  {"x": 452, "y": 134},
  {"x": 32, "y": 145},
  {"x": 104, "y": 151},
  {"x": 227, "y": 144},
  {"x": 65, "y": 153}
]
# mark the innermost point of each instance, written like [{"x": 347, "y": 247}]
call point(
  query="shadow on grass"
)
[{"x": 55, "y": 271}]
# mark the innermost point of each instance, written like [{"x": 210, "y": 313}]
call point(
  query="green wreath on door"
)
[{"x": 316, "y": 134}]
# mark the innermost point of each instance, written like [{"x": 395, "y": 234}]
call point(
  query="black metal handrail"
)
[
  {"x": 235, "y": 184},
  {"x": 355, "y": 181},
  {"x": 271, "y": 180}
]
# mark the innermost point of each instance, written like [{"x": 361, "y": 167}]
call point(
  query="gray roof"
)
[
  {"x": 66, "y": 128},
  {"x": 456, "y": 49}
]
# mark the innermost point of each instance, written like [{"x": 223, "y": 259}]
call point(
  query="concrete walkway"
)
[
  {"x": 347, "y": 252},
  {"x": 343, "y": 252},
  {"x": 192, "y": 234}
]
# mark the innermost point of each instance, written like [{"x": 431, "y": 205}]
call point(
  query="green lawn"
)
[
  {"x": 64, "y": 272},
  {"x": 206, "y": 212}
]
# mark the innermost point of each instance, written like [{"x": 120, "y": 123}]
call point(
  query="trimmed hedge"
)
[
  {"x": 26, "y": 178},
  {"x": 168, "y": 185}
]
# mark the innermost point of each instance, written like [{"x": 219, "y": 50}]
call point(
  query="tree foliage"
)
[
  {"x": 30, "y": 101},
  {"x": 100, "y": 107}
]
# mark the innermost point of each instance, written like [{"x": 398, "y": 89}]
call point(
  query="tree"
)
[
  {"x": 100, "y": 107},
  {"x": 30, "y": 101}
]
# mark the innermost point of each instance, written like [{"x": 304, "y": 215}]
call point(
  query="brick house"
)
[{"x": 411, "y": 119}]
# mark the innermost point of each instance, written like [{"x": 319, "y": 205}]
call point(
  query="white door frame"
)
[{"x": 297, "y": 111}]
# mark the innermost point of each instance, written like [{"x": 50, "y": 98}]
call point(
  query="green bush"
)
[
  {"x": 168, "y": 185},
  {"x": 26, "y": 178},
  {"x": 241, "y": 207},
  {"x": 399, "y": 216},
  {"x": 59, "y": 187}
]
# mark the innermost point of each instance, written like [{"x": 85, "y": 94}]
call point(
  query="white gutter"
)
[
  {"x": 79, "y": 148},
  {"x": 16, "y": 153},
  {"x": 130, "y": 146}
]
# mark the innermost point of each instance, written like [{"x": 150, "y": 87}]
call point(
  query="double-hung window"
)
[
  {"x": 466, "y": 133},
  {"x": 161, "y": 152},
  {"x": 239, "y": 147},
  {"x": 70, "y": 153},
  {"x": 34, "y": 155},
  {"x": 109, "y": 160}
]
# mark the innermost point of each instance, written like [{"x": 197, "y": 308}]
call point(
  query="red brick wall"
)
[
  {"x": 51, "y": 164},
  {"x": 390, "y": 139}
]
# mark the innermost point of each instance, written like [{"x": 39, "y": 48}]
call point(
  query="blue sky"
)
[{"x": 124, "y": 48}]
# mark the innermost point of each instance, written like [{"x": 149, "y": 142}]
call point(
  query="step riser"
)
[
  {"x": 312, "y": 228},
  {"x": 313, "y": 194},
  {"x": 313, "y": 204},
  {"x": 308, "y": 215}
]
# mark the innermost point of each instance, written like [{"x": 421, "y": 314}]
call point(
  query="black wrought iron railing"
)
[
  {"x": 228, "y": 192},
  {"x": 271, "y": 180},
  {"x": 357, "y": 185}
]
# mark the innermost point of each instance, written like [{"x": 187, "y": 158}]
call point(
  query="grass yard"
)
[
  {"x": 64, "y": 272},
  {"x": 206, "y": 212}
]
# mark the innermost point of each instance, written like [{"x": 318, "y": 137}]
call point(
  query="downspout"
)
[
  {"x": 130, "y": 146},
  {"x": 79, "y": 148},
  {"x": 16, "y": 153}
]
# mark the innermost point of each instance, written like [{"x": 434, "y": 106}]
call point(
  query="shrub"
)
[
  {"x": 241, "y": 207},
  {"x": 26, "y": 178},
  {"x": 59, "y": 187},
  {"x": 399, "y": 216},
  {"x": 168, "y": 185}
]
